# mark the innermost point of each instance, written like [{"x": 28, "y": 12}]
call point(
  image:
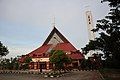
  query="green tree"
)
[
  {"x": 3, "y": 50},
  {"x": 5, "y": 63},
  {"x": 14, "y": 63},
  {"x": 26, "y": 62},
  {"x": 59, "y": 58},
  {"x": 11, "y": 64},
  {"x": 109, "y": 39}
]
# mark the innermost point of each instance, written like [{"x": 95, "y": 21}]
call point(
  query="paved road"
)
[{"x": 76, "y": 75}]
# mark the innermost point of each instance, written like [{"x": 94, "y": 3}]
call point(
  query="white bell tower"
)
[{"x": 90, "y": 25}]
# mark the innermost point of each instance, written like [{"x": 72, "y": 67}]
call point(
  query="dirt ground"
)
[{"x": 75, "y": 75}]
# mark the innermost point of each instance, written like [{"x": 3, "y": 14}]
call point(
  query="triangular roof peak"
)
[{"x": 55, "y": 36}]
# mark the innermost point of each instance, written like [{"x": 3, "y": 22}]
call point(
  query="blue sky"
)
[{"x": 25, "y": 24}]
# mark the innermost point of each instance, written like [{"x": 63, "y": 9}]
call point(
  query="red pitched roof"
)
[
  {"x": 68, "y": 47},
  {"x": 76, "y": 55},
  {"x": 65, "y": 47},
  {"x": 39, "y": 51}
]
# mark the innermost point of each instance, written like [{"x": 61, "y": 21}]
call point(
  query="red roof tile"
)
[
  {"x": 76, "y": 56},
  {"x": 68, "y": 47},
  {"x": 39, "y": 51},
  {"x": 65, "y": 47}
]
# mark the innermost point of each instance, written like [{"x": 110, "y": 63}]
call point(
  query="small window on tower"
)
[
  {"x": 89, "y": 22},
  {"x": 88, "y": 16},
  {"x": 89, "y": 19}
]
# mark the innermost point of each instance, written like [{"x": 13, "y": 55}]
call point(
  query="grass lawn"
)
[{"x": 110, "y": 74}]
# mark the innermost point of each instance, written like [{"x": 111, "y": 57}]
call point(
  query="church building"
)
[{"x": 55, "y": 41}]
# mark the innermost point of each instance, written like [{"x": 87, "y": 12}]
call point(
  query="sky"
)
[{"x": 25, "y": 24}]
